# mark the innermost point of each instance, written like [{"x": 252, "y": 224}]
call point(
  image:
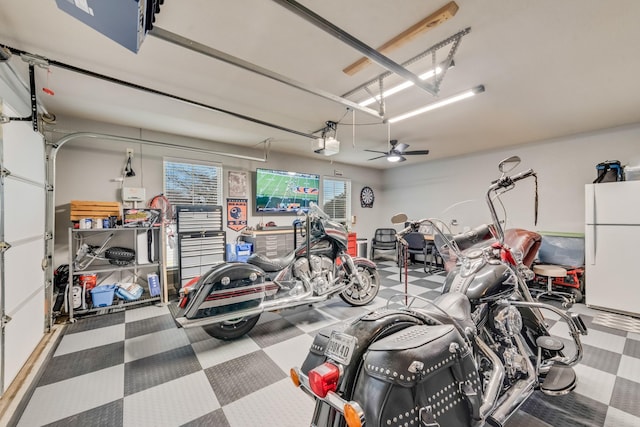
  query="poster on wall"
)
[
  {"x": 238, "y": 183},
  {"x": 237, "y": 214}
]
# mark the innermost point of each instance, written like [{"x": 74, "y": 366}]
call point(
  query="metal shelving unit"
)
[{"x": 126, "y": 237}]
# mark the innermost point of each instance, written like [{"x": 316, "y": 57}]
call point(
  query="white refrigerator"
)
[{"x": 612, "y": 246}]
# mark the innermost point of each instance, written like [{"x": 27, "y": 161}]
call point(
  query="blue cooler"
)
[
  {"x": 102, "y": 296},
  {"x": 243, "y": 251}
]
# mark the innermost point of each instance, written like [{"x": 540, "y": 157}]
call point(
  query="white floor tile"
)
[
  {"x": 583, "y": 309},
  {"x": 594, "y": 338},
  {"x": 280, "y": 404},
  {"x": 78, "y": 394},
  {"x": 290, "y": 353},
  {"x": 594, "y": 384},
  {"x": 171, "y": 404},
  {"x": 157, "y": 342},
  {"x": 213, "y": 352},
  {"x": 308, "y": 320},
  {"x": 88, "y": 339},
  {"x": 146, "y": 312},
  {"x": 629, "y": 368},
  {"x": 618, "y": 418}
]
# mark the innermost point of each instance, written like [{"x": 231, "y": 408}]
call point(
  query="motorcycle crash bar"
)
[{"x": 322, "y": 384}]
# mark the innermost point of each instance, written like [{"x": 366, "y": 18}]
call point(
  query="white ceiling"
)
[{"x": 550, "y": 68}]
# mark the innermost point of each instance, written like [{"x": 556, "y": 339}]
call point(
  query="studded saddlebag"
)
[
  {"x": 413, "y": 378},
  {"x": 366, "y": 329}
]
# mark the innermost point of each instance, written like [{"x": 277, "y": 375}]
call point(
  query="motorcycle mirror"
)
[
  {"x": 509, "y": 164},
  {"x": 399, "y": 218}
]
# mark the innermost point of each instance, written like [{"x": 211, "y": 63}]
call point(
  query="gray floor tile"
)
[
  {"x": 244, "y": 375},
  {"x": 571, "y": 410},
  {"x": 523, "y": 419},
  {"x": 82, "y": 362},
  {"x": 105, "y": 415},
  {"x": 625, "y": 396},
  {"x": 273, "y": 332},
  {"x": 147, "y": 326},
  {"x": 94, "y": 322},
  {"x": 600, "y": 359},
  {"x": 632, "y": 348},
  {"x": 215, "y": 418},
  {"x": 151, "y": 371}
]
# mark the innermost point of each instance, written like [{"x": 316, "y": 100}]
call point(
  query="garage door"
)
[{"x": 22, "y": 230}]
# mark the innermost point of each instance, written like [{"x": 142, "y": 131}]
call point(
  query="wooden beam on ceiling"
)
[{"x": 436, "y": 18}]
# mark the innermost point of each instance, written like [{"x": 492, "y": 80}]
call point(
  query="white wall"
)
[
  {"x": 563, "y": 165},
  {"x": 86, "y": 169}
]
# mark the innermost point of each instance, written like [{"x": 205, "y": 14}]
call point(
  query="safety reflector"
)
[
  {"x": 324, "y": 378},
  {"x": 294, "y": 377},
  {"x": 352, "y": 416}
]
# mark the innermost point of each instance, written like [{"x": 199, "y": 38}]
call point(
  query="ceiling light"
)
[
  {"x": 446, "y": 101},
  {"x": 393, "y": 157},
  {"x": 399, "y": 87}
]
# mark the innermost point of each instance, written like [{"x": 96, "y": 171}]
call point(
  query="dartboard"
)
[{"x": 366, "y": 197}]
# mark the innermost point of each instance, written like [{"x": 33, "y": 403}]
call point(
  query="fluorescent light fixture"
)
[
  {"x": 446, "y": 101},
  {"x": 400, "y": 87}
]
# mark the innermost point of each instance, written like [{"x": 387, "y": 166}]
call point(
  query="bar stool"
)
[{"x": 551, "y": 272}]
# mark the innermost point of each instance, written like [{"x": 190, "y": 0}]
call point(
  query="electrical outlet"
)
[{"x": 130, "y": 153}]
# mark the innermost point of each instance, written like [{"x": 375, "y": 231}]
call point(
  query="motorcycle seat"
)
[
  {"x": 271, "y": 264},
  {"x": 456, "y": 305}
]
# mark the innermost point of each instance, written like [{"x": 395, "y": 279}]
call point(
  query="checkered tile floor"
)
[{"x": 135, "y": 368}]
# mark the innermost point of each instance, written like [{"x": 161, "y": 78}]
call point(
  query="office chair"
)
[{"x": 384, "y": 239}]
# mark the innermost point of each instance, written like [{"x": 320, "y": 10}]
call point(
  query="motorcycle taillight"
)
[{"x": 324, "y": 378}]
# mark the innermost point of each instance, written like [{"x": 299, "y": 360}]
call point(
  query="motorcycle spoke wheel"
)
[
  {"x": 232, "y": 329},
  {"x": 357, "y": 295}
]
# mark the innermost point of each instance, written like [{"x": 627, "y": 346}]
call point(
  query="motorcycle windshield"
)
[{"x": 459, "y": 227}]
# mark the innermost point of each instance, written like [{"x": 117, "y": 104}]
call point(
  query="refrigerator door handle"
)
[{"x": 591, "y": 248}]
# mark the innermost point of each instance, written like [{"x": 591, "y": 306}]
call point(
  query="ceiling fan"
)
[{"x": 397, "y": 152}]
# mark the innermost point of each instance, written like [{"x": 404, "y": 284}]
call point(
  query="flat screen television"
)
[{"x": 285, "y": 192}]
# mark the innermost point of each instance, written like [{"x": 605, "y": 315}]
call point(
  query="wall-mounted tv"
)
[{"x": 285, "y": 192}]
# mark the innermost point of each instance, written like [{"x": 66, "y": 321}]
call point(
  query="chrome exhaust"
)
[{"x": 518, "y": 393}]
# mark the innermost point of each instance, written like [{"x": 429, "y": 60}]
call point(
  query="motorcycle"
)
[
  {"x": 470, "y": 357},
  {"x": 227, "y": 300}
]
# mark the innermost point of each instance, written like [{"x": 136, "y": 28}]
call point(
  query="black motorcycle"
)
[
  {"x": 471, "y": 357},
  {"x": 227, "y": 300}
]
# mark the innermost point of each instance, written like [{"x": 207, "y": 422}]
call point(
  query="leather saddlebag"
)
[{"x": 414, "y": 378}]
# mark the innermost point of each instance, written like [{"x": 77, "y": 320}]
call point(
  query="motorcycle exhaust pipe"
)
[
  {"x": 517, "y": 394},
  {"x": 495, "y": 382}
]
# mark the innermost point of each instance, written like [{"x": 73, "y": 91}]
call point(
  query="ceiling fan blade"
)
[
  {"x": 414, "y": 152},
  {"x": 401, "y": 147},
  {"x": 379, "y": 157},
  {"x": 375, "y": 151}
]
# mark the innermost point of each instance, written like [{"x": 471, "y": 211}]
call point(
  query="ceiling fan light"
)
[{"x": 394, "y": 157}]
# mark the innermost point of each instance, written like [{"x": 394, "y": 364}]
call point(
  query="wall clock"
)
[{"x": 366, "y": 197}]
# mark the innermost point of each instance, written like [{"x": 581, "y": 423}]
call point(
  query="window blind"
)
[{"x": 336, "y": 198}]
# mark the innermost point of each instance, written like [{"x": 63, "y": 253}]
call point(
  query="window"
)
[
  {"x": 336, "y": 196},
  {"x": 189, "y": 182}
]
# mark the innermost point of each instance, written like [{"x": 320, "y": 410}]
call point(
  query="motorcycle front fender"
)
[
  {"x": 227, "y": 291},
  {"x": 363, "y": 261}
]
